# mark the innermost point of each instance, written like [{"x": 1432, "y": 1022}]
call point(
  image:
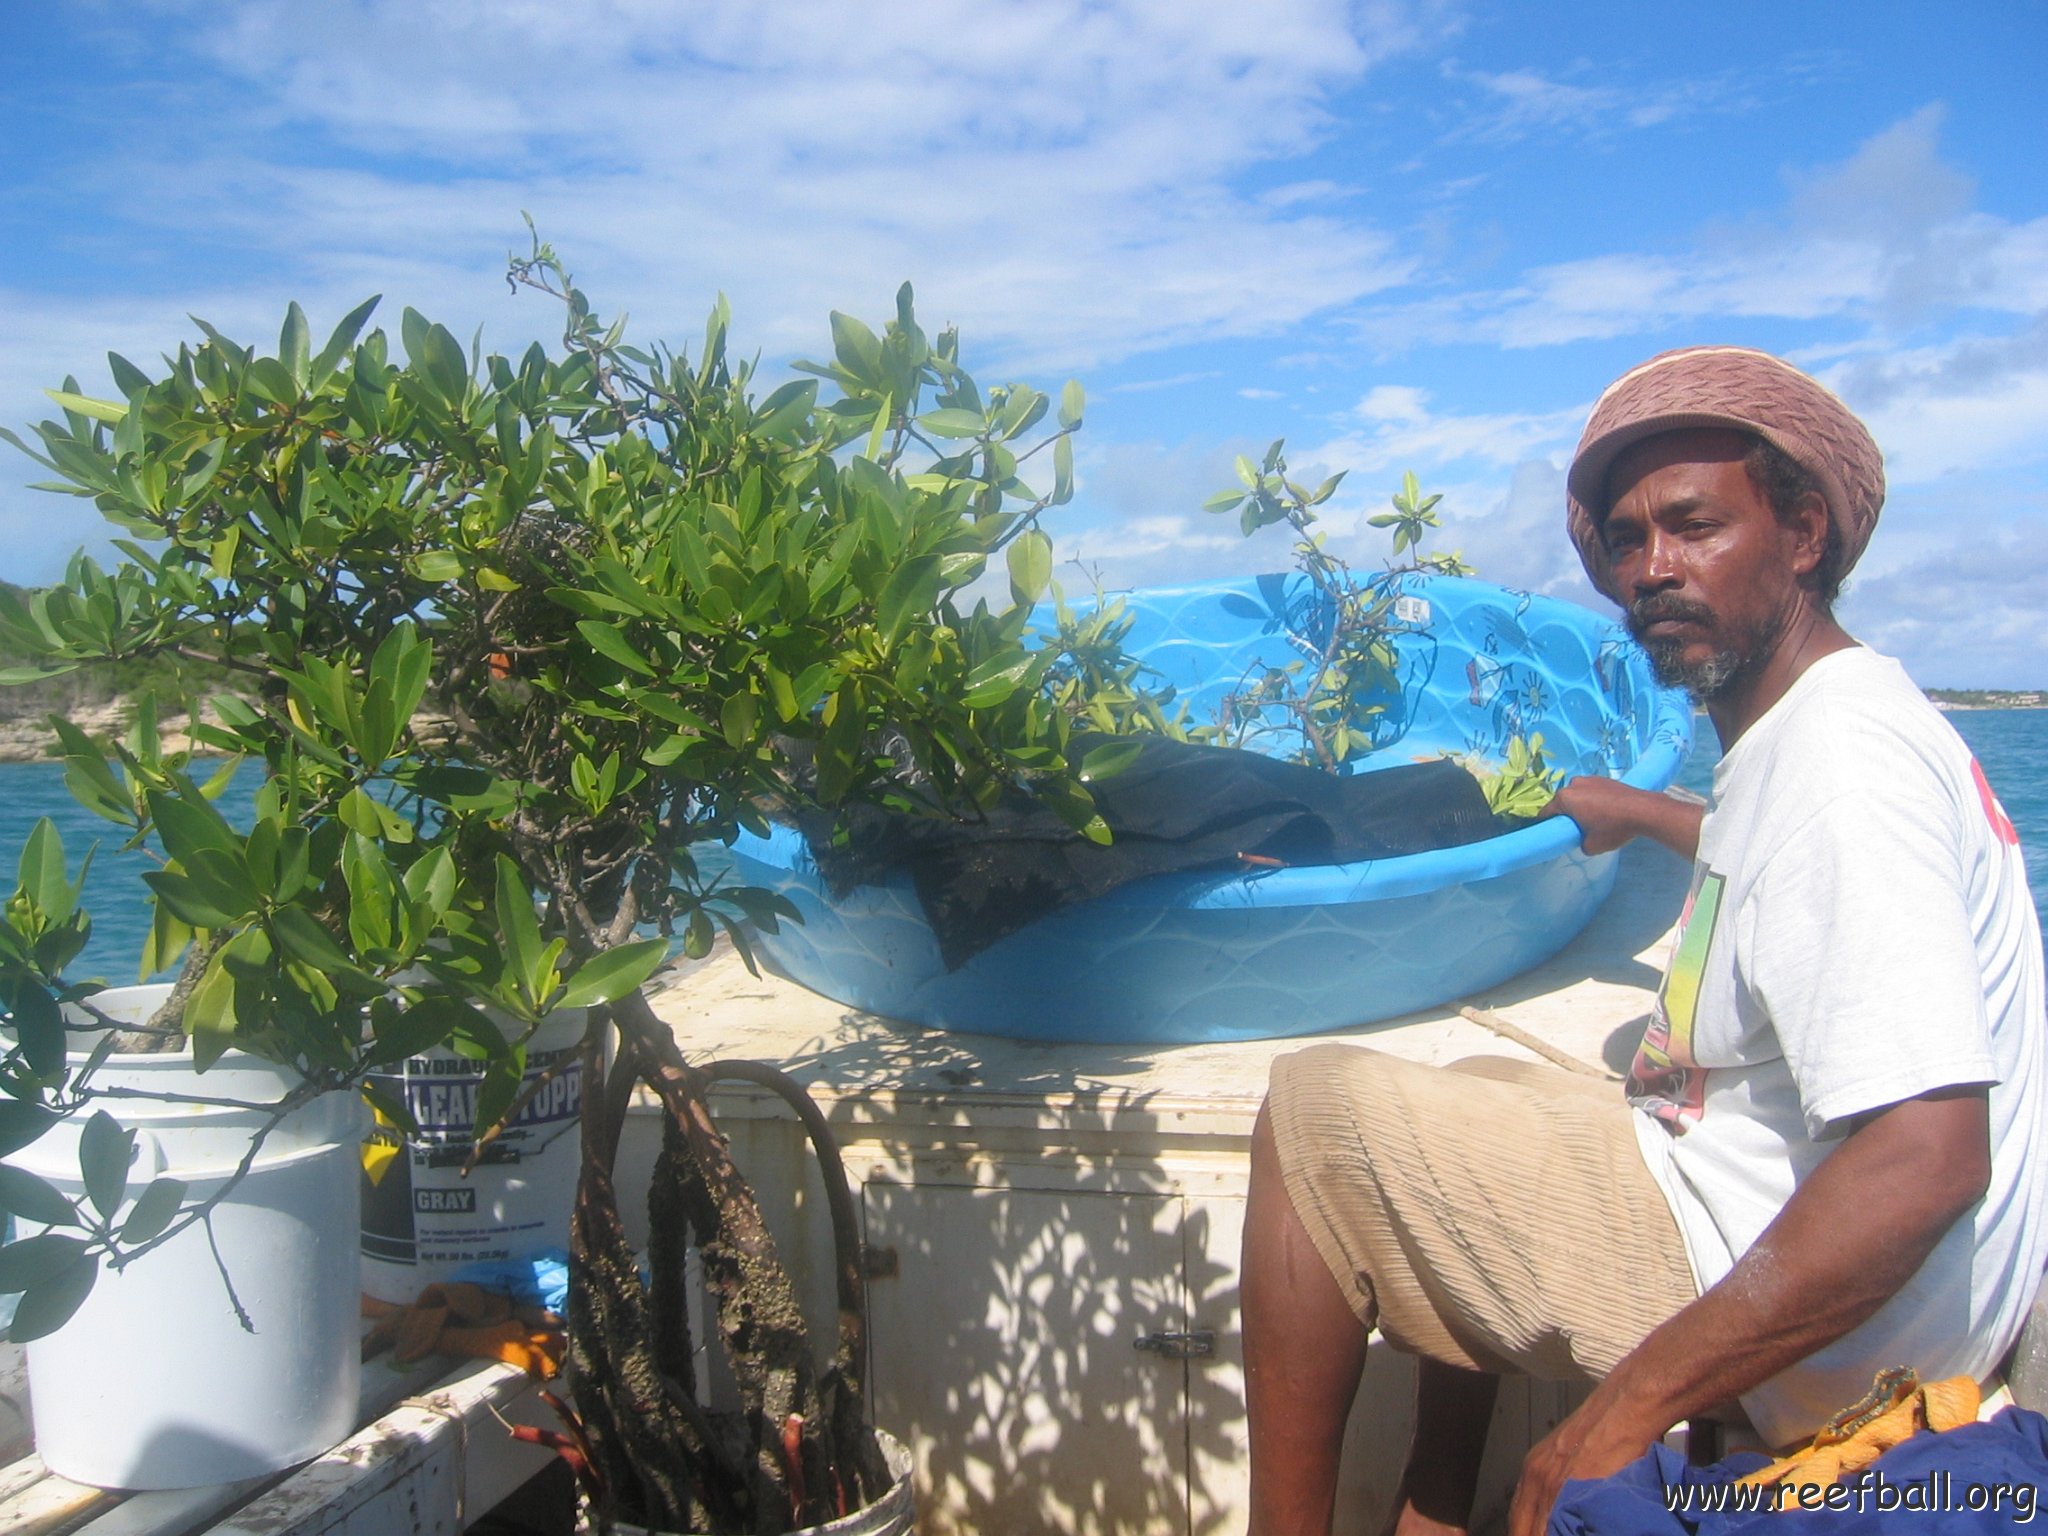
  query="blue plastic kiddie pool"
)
[{"x": 1230, "y": 956}]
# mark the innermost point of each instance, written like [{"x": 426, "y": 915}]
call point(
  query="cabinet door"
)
[{"x": 1003, "y": 1355}]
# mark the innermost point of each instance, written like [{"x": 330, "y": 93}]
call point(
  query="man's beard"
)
[{"x": 1711, "y": 676}]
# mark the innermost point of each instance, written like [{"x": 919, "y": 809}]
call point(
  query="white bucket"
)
[
  {"x": 422, "y": 1220},
  {"x": 155, "y": 1383},
  {"x": 893, "y": 1514}
]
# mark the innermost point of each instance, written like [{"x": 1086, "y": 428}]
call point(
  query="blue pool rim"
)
[{"x": 1457, "y": 919}]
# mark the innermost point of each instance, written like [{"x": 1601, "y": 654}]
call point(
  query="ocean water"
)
[
  {"x": 2012, "y": 744},
  {"x": 114, "y": 892}
]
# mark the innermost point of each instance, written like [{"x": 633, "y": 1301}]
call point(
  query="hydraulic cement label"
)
[{"x": 418, "y": 1209}]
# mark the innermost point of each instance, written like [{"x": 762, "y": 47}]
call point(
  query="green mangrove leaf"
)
[
  {"x": 49, "y": 1304},
  {"x": 105, "y": 1148},
  {"x": 614, "y": 973},
  {"x": 154, "y": 1209},
  {"x": 33, "y": 1200}
]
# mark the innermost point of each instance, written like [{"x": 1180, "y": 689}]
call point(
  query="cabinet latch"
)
[{"x": 1197, "y": 1344}]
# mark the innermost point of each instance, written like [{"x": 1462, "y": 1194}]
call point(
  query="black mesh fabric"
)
[{"x": 1178, "y": 807}]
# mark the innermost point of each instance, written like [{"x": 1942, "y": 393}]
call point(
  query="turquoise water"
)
[
  {"x": 114, "y": 892},
  {"x": 2012, "y": 744}
]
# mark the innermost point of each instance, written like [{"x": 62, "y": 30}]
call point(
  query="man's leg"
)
[
  {"x": 1304, "y": 1350},
  {"x": 1425, "y": 1171},
  {"x": 1453, "y": 1411}
]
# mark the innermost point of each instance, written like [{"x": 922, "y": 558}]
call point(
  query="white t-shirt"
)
[{"x": 1859, "y": 932}]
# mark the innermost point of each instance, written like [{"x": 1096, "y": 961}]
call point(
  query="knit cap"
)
[{"x": 1729, "y": 387}]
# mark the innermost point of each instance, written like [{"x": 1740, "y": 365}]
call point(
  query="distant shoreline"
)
[
  {"x": 1952, "y": 699},
  {"x": 28, "y": 739}
]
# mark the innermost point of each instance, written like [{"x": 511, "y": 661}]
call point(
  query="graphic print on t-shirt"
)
[
  {"x": 2001, "y": 824},
  {"x": 1666, "y": 1078}
]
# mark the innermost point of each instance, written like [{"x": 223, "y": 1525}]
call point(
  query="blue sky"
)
[{"x": 1401, "y": 235}]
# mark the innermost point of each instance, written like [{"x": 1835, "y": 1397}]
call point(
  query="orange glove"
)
[
  {"x": 1896, "y": 1408},
  {"x": 468, "y": 1321}
]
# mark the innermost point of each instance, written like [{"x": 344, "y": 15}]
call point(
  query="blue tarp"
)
[
  {"x": 542, "y": 1280},
  {"x": 1979, "y": 1478}
]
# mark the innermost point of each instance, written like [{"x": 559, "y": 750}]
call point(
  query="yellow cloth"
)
[
  {"x": 466, "y": 1320},
  {"x": 1896, "y": 1408}
]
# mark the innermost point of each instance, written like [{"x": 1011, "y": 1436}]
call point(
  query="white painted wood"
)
[
  {"x": 1004, "y": 1356},
  {"x": 429, "y": 1467},
  {"x": 20, "y": 1473},
  {"x": 172, "y": 1510},
  {"x": 1211, "y": 1238},
  {"x": 46, "y": 1504}
]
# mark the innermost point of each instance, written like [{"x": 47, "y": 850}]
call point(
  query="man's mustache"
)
[{"x": 1661, "y": 606}]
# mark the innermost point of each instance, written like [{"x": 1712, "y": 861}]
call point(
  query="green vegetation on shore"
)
[{"x": 1989, "y": 698}]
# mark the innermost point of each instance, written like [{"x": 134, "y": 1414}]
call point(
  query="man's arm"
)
[
  {"x": 1610, "y": 813},
  {"x": 1849, "y": 1238}
]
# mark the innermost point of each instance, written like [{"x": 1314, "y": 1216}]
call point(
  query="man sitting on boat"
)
[{"x": 1829, "y": 1160}]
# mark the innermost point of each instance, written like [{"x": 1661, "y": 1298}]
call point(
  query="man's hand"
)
[
  {"x": 1610, "y": 813},
  {"x": 1851, "y": 1235},
  {"x": 1604, "y": 1435}
]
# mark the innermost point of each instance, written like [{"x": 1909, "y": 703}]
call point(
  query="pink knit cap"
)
[{"x": 1731, "y": 387}]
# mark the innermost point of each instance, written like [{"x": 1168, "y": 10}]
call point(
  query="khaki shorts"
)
[{"x": 1493, "y": 1214}]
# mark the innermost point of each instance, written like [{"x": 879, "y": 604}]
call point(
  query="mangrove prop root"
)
[
  {"x": 643, "y": 1450},
  {"x": 853, "y": 1439},
  {"x": 759, "y": 1320},
  {"x": 670, "y": 1200},
  {"x": 800, "y": 1451}
]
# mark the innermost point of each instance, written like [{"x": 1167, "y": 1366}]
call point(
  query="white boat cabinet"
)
[{"x": 1053, "y": 1232}]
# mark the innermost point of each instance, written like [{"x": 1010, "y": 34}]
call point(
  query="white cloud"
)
[
  {"x": 1060, "y": 175},
  {"x": 1032, "y": 164},
  {"x": 1150, "y": 538},
  {"x": 1394, "y": 403},
  {"x": 1886, "y": 238},
  {"x": 1514, "y": 104},
  {"x": 766, "y": 84},
  {"x": 1966, "y": 403},
  {"x": 1509, "y": 526},
  {"x": 1970, "y": 613},
  {"x": 1397, "y": 429},
  {"x": 1145, "y": 386},
  {"x": 1297, "y": 192},
  {"x": 1500, "y": 476},
  {"x": 1136, "y": 519},
  {"x": 1077, "y": 182}
]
